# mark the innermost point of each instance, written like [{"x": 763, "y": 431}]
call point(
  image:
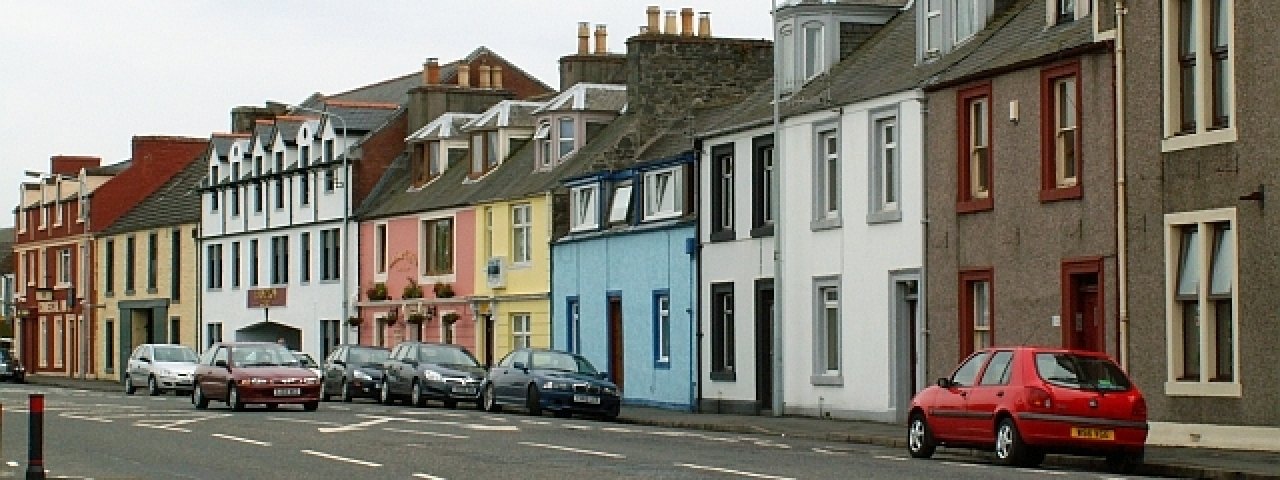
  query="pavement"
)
[{"x": 1179, "y": 462}]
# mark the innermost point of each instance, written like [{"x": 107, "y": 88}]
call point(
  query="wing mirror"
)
[
  {"x": 221, "y": 363},
  {"x": 339, "y": 362},
  {"x": 945, "y": 382},
  {"x": 521, "y": 366},
  {"x": 144, "y": 359},
  {"x": 602, "y": 375}
]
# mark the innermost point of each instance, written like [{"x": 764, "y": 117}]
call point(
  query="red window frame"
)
[
  {"x": 1049, "y": 189},
  {"x": 965, "y": 307},
  {"x": 965, "y": 202}
]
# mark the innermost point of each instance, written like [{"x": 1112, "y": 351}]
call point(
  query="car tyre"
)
[
  {"x": 415, "y": 396},
  {"x": 1124, "y": 462},
  {"x": 198, "y": 399},
  {"x": 1010, "y": 449},
  {"x": 451, "y": 404},
  {"x": 611, "y": 414},
  {"x": 153, "y": 389},
  {"x": 273, "y": 406},
  {"x": 233, "y": 399},
  {"x": 346, "y": 391},
  {"x": 920, "y": 442},
  {"x": 310, "y": 406},
  {"x": 384, "y": 394},
  {"x": 128, "y": 386},
  {"x": 489, "y": 401},
  {"x": 532, "y": 403}
]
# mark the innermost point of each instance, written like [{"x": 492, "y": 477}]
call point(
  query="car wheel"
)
[
  {"x": 346, "y": 391},
  {"x": 532, "y": 403},
  {"x": 1010, "y": 449},
  {"x": 451, "y": 404},
  {"x": 273, "y": 406},
  {"x": 310, "y": 406},
  {"x": 488, "y": 401},
  {"x": 612, "y": 413},
  {"x": 561, "y": 413},
  {"x": 152, "y": 388},
  {"x": 324, "y": 396},
  {"x": 384, "y": 393},
  {"x": 920, "y": 442},
  {"x": 198, "y": 398},
  {"x": 128, "y": 386},
  {"x": 1124, "y": 462},
  {"x": 233, "y": 399},
  {"x": 415, "y": 397}
]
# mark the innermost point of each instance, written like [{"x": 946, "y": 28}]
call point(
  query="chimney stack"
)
[
  {"x": 654, "y": 13},
  {"x": 686, "y": 22},
  {"x": 495, "y": 72},
  {"x": 584, "y": 38},
  {"x": 670, "y": 27},
  {"x": 704, "y": 24},
  {"x": 482, "y": 76},
  {"x": 464, "y": 75},
  {"x": 602, "y": 35},
  {"x": 431, "y": 71}
]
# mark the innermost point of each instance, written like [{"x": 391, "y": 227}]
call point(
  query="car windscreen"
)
[
  {"x": 1081, "y": 372},
  {"x": 263, "y": 356},
  {"x": 305, "y": 360},
  {"x": 446, "y": 356},
  {"x": 174, "y": 354},
  {"x": 562, "y": 362},
  {"x": 369, "y": 355}
]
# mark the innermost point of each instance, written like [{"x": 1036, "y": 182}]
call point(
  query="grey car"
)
[{"x": 160, "y": 368}]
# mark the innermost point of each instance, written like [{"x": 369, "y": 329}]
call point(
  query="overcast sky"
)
[{"x": 83, "y": 77}]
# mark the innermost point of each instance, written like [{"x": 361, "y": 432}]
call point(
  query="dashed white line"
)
[
  {"x": 536, "y": 422},
  {"x": 11, "y": 464},
  {"x": 428, "y": 477},
  {"x": 420, "y": 432},
  {"x": 240, "y": 439},
  {"x": 733, "y": 472},
  {"x": 1042, "y": 471},
  {"x": 303, "y": 420},
  {"x": 890, "y": 457},
  {"x": 576, "y": 427},
  {"x": 959, "y": 464},
  {"x": 617, "y": 430},
  {"x": 331, "y": 456},
  {"x": 574, "y": 450},
  {"x": 355, "y": 426}
]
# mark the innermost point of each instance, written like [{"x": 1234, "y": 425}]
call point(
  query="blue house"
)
[{"x": 624, "y": 250}]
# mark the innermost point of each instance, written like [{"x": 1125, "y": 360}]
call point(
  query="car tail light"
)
[
  {"x": 1140, "y": 408},
  {"x": 1039, "y": 398}
]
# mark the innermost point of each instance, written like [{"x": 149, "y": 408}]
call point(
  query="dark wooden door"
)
[
  {"x": 764, "y": 347},
  {"x": 1086, "y": 331},
  {"x": 616, "y": 345}
]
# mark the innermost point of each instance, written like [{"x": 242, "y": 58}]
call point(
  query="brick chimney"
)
[
  {"x": 602, "y": 43},
  {"x": 670, "y": 27},
  {"x": 686, "y": 22},
  {"x": 70, "y": 165},
  {"x": 655, "y": 19},
  {"x": 704, "y": 24},
  {"x": 431, "y": 71},
  {"x": 584, "y": 38}
]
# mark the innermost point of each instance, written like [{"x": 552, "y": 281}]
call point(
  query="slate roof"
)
[
  {"x": 288, "y": 127},
  {"x": 220, "y": 144},
  {"x": 447, "y": 125},
  {"x": 360, "y": 117},
  {"x": 588, "y": 96},
  {"x": 507, "y": 113},
  {"x": 177, "y": 202},
  {"x": 1023, "y": 38}
]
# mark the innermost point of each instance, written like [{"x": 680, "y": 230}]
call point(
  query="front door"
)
[
  {"x": 764, "y": 345},
  {"x": 616, "y": 364},
  {"x": 906, "y": 314},
  {"x": 1083, "y": 329}
]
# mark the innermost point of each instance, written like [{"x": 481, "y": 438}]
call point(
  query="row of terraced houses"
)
[{"x": 814, "y": 225}]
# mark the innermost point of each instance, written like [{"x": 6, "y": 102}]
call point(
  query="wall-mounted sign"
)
[{"x": 266, "y": 297}]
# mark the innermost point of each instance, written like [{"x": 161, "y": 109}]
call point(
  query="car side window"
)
[
  {"x": 507, "y": 360},
  {"x": 968, "y": 371},
  {"x": 522, "y": 357},
  {"x": 137, "y": 352},
  {"x": 206, "y": 358},
  {"x": 997, "y": 372},
  {"x": 221, "y": 354}
]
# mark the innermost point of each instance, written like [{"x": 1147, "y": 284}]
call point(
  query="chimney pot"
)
[
  {"x": 670, "y": 27},
  {"x": 602, "y": 35},
  {"x": 655, "y": 19},
  {"x": 584, "y": 38},
  {"x": 686, "y": 22},
  {"x": 704, "y": 24},
  {"x": 431, "y": 71},
  {"x": 464, "y": 75},
  {"x": 495, "y": 73},
  {"x": 482, "y": 76}
]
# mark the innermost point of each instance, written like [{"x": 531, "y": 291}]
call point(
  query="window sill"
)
[
  {"x": 825, "y": 223},
  {"x": 152, "y": 291},
  {"x": 1202, "y": 389},
  {"x": 762, "y": 231},
  {"x": 827, "y": 380},
  {"x": 1196, "y": 140},
  {"x": 662, "y": 364},
  {"x": 662, "y": 216},
  {"x": 584, "y": 228},
  {"x": 722, "y": 236},
  {"x": 109, "y": 294},
  {"x": 979, "y": 205},
  {"x": 724, "y": 376},
  {"x": 1074, "y": 192},
  {"x": 884, "y": 216},
  {"x": 130, "y": 292}
]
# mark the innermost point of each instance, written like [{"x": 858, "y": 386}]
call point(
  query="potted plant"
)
[
  {"x": 449, "y": 318},
  {"x": 416, "y": 318},
  {"x": 378, "y": 292},
  {"x": 443, "y": 290},
  {"x": 390, "y": 318},
  {"x": 412, "y": 289},
  {"x": 354, "y": 321}
]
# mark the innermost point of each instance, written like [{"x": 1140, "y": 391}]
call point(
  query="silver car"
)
[{"x": 161, "y": 368}]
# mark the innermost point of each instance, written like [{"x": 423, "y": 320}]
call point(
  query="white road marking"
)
[
  {"x": 331, "y": 456},
  {"x": 471, "y": 426},
  {"x": 303, "y": 420},
  {"x": 492, "y": 428},
  {"x": 1042, "y": 471},
  {"x": 80, "y": 417},
  {"x": 576, "y": 427},
  {"x": 428, "y": 477},
  {"x": 959, "y": 464},
  {"x": 335, "y": 407},
  {"x": 536, "y": 422},
  {"x": 355, "y": 426},
  {"x": 11, "y": 464},
  {"x": 734, "y": 472},
  {"x": 828, "y": 452},
  {"x": 242, "y": 440},
  {"x": 574, "y": 450},
  {"x": 617, "y": 430},
  {"x": 890, "y": 457},
  {"x": 420, "y": 432}
]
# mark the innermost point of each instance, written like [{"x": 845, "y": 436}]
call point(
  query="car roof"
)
[
  {"x": 1046, "y": 349},
  {"x": 356, "y": 345}
]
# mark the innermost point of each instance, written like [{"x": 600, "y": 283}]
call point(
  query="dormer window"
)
[
  {"x": 543, "y": 138},
  {"x": 584, "y": 201},
  {"x": 257, "y": 165},
  {"x": 968, "y": 19},
  {"x": 620, "y": 208},
  {"x": 279, "y": 167},
  {"x": 1066, "y": 10},
  {"x": 484, "y": 152},
  {"x": 813, "y": 51},
  {"x": 304, "y": 155},
  {"x": 786, "y": 45},
  {"x": 933, "y": 27},
  {"x": 328, "y": 151},
  {"x": 565, "y": 136},
  {"x": 664, "y": 194},
  {"x": 434, "y": 165}
]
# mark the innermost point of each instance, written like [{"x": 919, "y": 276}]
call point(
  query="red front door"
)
[
  {"x": 1083, "y": 329},
  {"x": 615, "y": 341}
]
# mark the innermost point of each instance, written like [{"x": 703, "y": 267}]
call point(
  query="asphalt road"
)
[{"x": 111, "y": 435}]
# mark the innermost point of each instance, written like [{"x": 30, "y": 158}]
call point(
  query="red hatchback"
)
[
  {"x": 241, "y": 373},
  {"x": 1026, "y": 401}
]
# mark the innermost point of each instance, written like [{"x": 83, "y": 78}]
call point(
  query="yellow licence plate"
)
[{"x": 1093, "y": 433}]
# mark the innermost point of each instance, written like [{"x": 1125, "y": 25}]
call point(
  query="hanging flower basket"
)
[
  {"x": 412, "y": 290},
  {"x": 443, "y": 290},
  {"x": 355, "y": 321},
  {"x": 417, "y": 318},
  {"x": 449, "y": 318},
  {"x": 390, "y": 318},
  {"x": 378, "y": 292}
]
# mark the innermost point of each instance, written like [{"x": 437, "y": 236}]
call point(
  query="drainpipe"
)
[
  {"x": 922, "y": 325},
  {"x": 778, "y": 229},
  {"x": 1122, "y": 259}
]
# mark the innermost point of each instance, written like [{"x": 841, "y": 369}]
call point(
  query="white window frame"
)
[
  {"x": 933, "y": 40},
  {"x": 827, "y": 185},
  {"x": 662, "y": 322},
  {"x": 1204, "y": 134},
  {"x": 768, "y": 169},
  {"x": 1204, "y": 256},
  {"x": 521, "y": 234},
  {"x": 814, "y": 44},
  {"x": 656, "y": 206},
  {"x": 59, "y": 339},
  {"x": 584, "y": 204},
  {"x": 563, "y": 141},
  {"x": 1062, "y": 127},
  {"x": 724, "y": 167},
  {"x": 380, "y": 250},
  {"x": 64, "y": 267},
  {"x": 428, "y": 244},
  {"x": 620, "y": 206},
  {"x": 979, "y": 140},
  {"x": 827, "y": 301},
  {"x": 521, "y": 330},
  {"x": 977, "y": 19},
  {"x": 886, "y": 167}
]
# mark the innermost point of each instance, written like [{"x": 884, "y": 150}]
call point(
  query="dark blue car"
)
[{"x": 561, "y": 382}]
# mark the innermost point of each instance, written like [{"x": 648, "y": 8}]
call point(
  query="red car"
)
[
  {"x": 1026, "y": 401},
  {"x": 243, "y": 373}
]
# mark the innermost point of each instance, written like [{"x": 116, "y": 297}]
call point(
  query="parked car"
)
[
  {"x": 422, "y": 371},
  {"x": 562, "y": 382},
  {"x": 308, "y": 363},
  {"x": 353, "y": 371},
  {"x": 240, "y": 373},
  {"x": 1026, "y": 401},
  {"x": 11, "y": 367},
  {"x": 161, "y": 367}
]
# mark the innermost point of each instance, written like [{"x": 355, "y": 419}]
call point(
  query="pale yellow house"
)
[
  {"x": 147, "y": 274},
  {"x": 513, "y": 281}
]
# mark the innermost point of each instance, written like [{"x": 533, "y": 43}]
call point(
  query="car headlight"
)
[
  {"x": 254, "y": 381},
  {"x": 163, "y": 373},
  {"x": 554, "y": 385},
  {"x": 311, "y": 380},
  {"x": 361, "y": 375},
  {"x": 432, "y": 376},
  {"x": 609, "y": 391}
]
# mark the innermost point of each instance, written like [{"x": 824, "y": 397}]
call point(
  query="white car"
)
[{"x": 160, "y": 368}]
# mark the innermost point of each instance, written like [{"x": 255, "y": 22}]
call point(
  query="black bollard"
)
[{"x": 35, "y": 439}]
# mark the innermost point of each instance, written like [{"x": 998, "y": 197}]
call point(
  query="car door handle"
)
[
  {"x": 964, "y": 394},
  {"x": 1000, "y": 394}
]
